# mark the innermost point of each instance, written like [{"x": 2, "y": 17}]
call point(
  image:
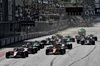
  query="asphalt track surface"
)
[{"x": 80, "y": 55}]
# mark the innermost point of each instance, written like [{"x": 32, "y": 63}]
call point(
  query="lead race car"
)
[
  {"x": 17, "y": 52},
  {"x": 55, "y": 49}
]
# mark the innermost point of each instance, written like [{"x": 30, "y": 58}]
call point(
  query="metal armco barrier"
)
[
  {"x": 40, "y": 29},
  {"x": 16, "y": 38},
  {"x": 23, "y": 37},
  {"x": 2, "y": 42},
  {"x": 12, "y": 40},
  {"x": 8, "y": 41},
  {"x": 19, "y": 38}
]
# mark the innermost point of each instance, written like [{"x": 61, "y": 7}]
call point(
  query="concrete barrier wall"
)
[{"x": 40, "y": 29}]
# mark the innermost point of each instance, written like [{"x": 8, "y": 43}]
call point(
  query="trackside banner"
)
[
  {"x": 97, "y": 11},
  {"x": 27, "y": 23},
  {"x": 74, "y": 10}
]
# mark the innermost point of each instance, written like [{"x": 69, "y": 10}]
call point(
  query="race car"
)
[
  {"x": 47, "y": 41},
  {"x": 53, "y": 37},
  {"x": 17, "y": 52},
  {"x": 37, "y": 44},
  {"x": 66, "y": 44},
  {"x": 70, "y": 39},
  {"x": 30, "y": 49},
  {"x": 56, "y": 36},
  {"x": 79, "y": 39},
  {"x": 52, "y": 40},
  {"x": 91, "y": 36},
  {"x": 86, "y": 41},
  {"x": 55, "y": 49}
]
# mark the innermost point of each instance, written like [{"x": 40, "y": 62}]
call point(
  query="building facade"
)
[{"x": 12, "y": 12}]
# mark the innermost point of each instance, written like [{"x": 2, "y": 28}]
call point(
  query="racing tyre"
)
[
  {"x": 43, "y": 41},
  {"x": 38, "y": 47},
  {"x": 23, "y": 54},
  {"x": 7, "y": 54},
  {"x": 78, "y": 41},
  {"x": 36, "y": 50},
  {"x": 26, "y": 53},
  {"x": 42, "y": 46},
  {"x": 47, "y": 52},
  {"x": 70, "y": 46},
  {"x": 73, "y": 39},
  {"x": 95, "y": 38},
  {"x": 67, "y": 46},
  {"x": 63, "y": 51},
  {"x": 33, "y": 51},
  {"x": 93, "y": 42},
  {"x": 82, "y": 42}
]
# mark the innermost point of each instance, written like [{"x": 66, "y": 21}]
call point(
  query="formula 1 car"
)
[
  {"x": 30, "y": 49},
  {"x": 66, "y": 44},
  {"x": 47, "y": 41},
  {"x": 86, "y": 41},
  {"x": 55, "y": 49},
  {"x": 53, "y": 37},
  {"x": 56, "y": 36},
  {"x": 70, "y": 39},
  {"x": 79, "y": 39},
  {"x": 37, "y": 44},
  {"x": 17, "y": 53},
  {"x": 91, "y": 36}
]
